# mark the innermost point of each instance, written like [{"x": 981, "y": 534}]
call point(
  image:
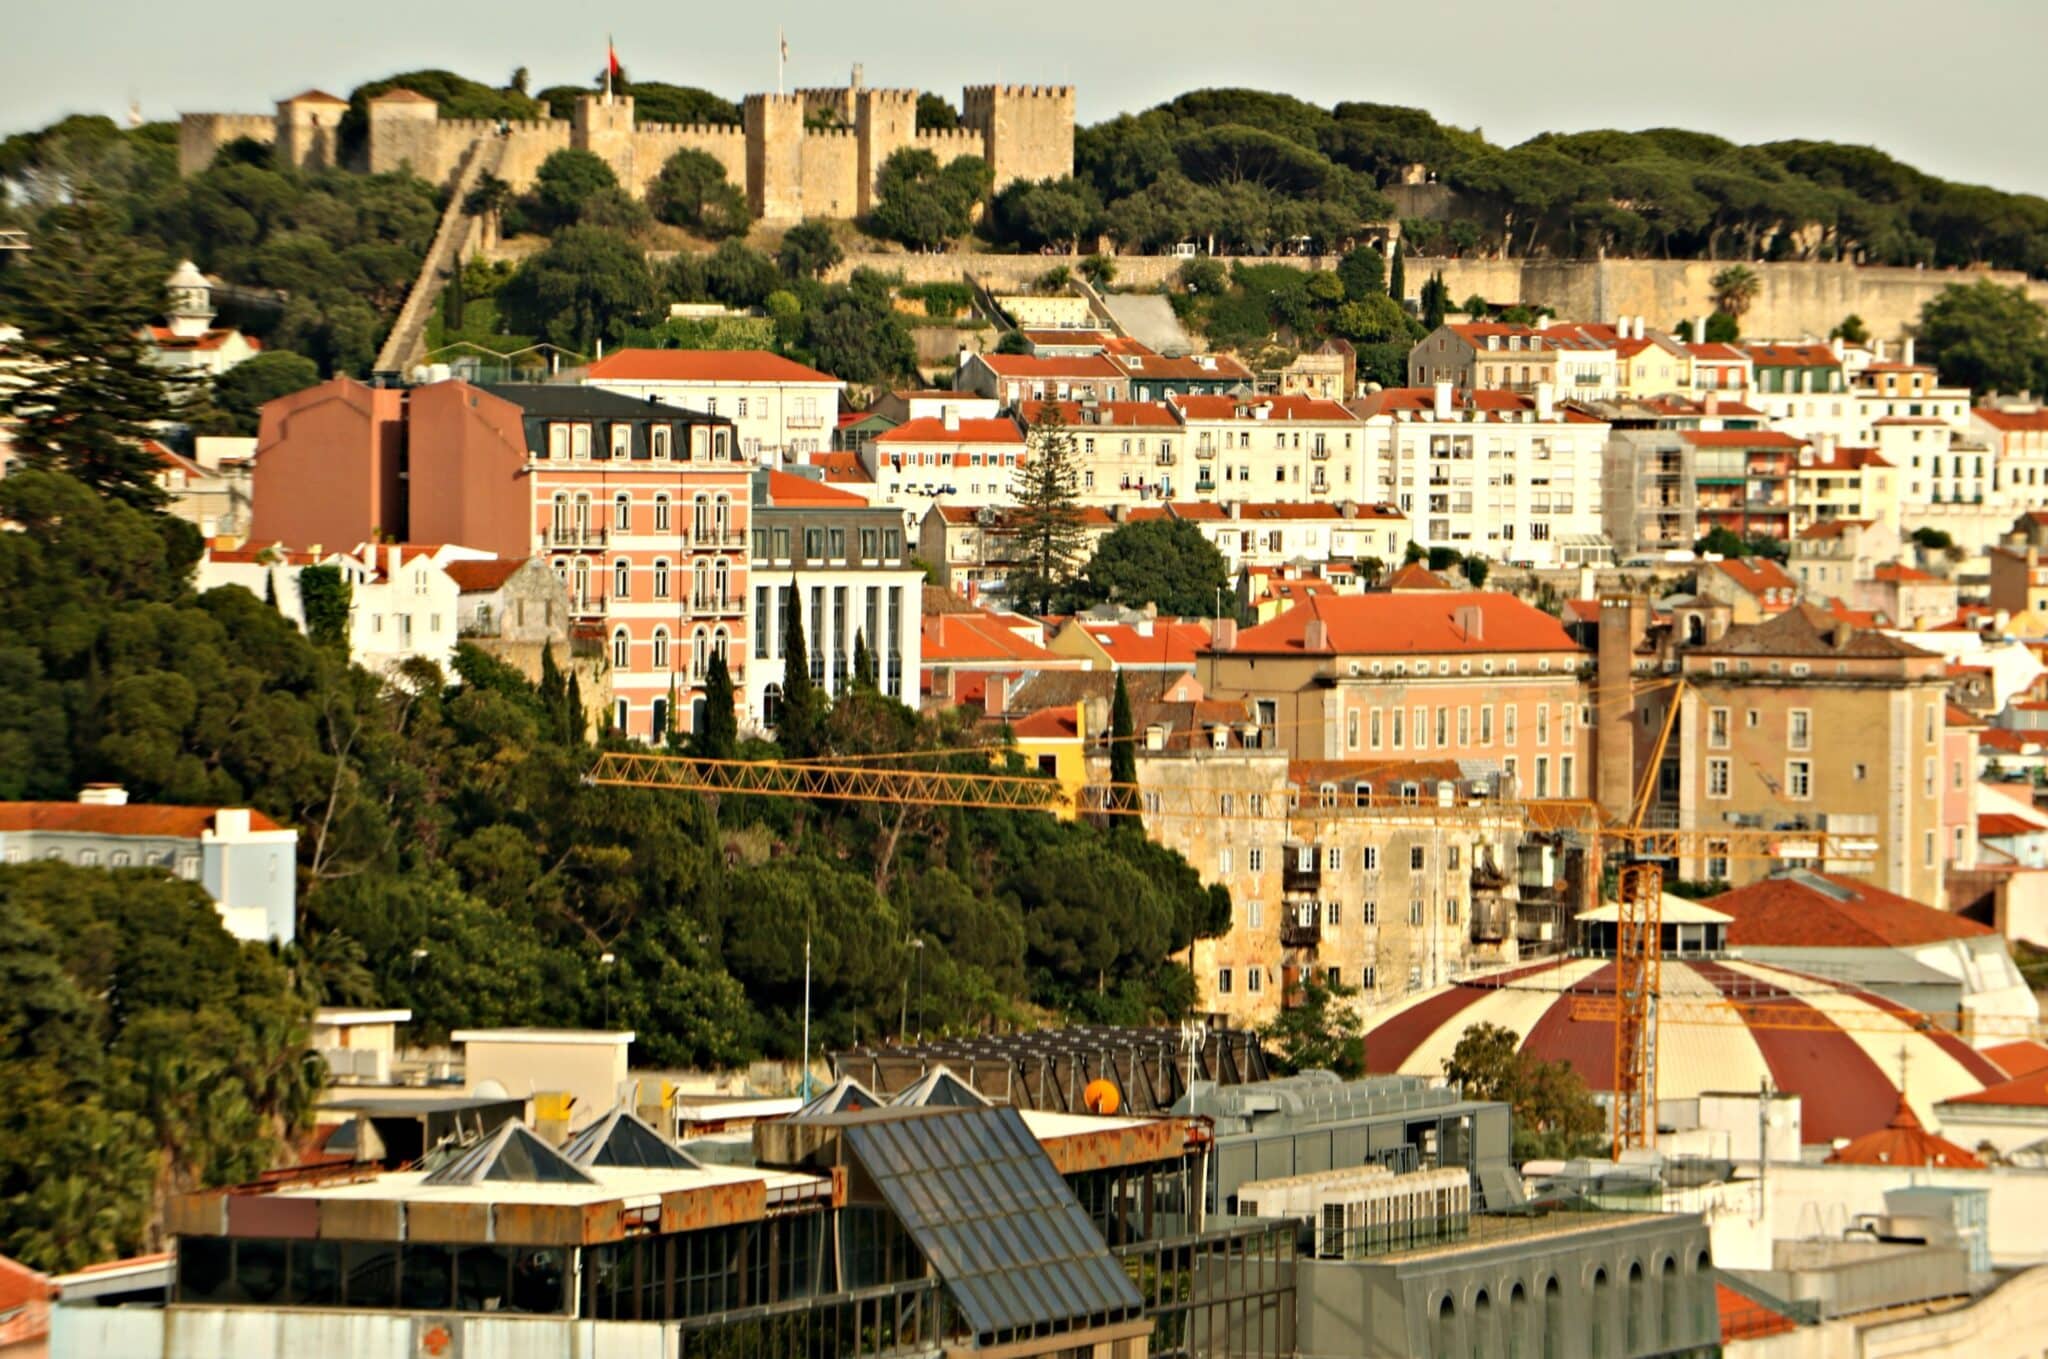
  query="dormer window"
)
[
  {"x": 622, "y": 440},
  {"x": 659, "y": 437}
]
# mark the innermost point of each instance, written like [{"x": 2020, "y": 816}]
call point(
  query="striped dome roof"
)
[{"x": 1847, "y": 1077}]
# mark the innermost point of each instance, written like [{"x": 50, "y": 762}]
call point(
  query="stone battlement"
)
[{"x": 788, "y": 171}]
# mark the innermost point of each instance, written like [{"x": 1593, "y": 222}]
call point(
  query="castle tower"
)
[
  {"x": 308, "y": 130},
  {"x": 885, "y": 121},
  {"x": 405, "y": 130},
  {"x": 774, "y": 126},
  {"x": 1028, "y": 130},
  {"x": 190, "y": 313},
  {"x": 603, "y": 126}
]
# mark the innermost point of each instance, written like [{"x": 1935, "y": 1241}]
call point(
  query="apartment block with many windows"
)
[{"x": 782, "y": 413}]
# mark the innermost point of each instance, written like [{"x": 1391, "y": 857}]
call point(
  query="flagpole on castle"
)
[
  {"x": 781, "y": 56},
  {"x": 611, "y": 59}
]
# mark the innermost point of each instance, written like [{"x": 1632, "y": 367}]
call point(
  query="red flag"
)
[{"x": 611, "y": 56}]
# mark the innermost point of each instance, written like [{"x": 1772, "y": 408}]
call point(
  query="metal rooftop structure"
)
[{"x": 1050, "y": 1068}]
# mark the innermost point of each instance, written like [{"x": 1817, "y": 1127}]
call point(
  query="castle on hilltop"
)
[{"x": 813, "y": 153}]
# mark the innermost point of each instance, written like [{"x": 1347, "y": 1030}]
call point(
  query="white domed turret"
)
[{"x": 191, "y": 311}]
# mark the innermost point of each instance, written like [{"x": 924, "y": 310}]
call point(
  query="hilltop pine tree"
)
[{"x": 1045, "y": 527}]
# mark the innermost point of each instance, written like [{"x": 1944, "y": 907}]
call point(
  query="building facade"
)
[{"x": 782, "y": 413}]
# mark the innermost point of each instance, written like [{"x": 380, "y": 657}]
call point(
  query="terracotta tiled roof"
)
[
  {"x": 1993, "y": 825},
  {"x": 1170, "y": 643},
  {"x": 314, "y": 97},
  {"x": 1827, "y": 910},
  {"x": 1743, "y": 1318},
  {"x": 141, "y": 818},
  {"x": 1962, "y": 717},
  {"x": 931, "y": 429},
  {"x": 1739, "y": 438},
  {"x": 1490, "y": 403},
  {"x": 163, "y": 338},
  {"x": 1904, "y": 1142},
  {"x": 1085, "y": 366},
  {"x": 1279, "y": 409},
  {"x": 1394, "y": 624},
  {"x": 2035, "y": 419},
  {"x": 22, "y": 1289},
  {"x": 1047, "y": 724},
  {"x": 1200, "y": 510},
  {"x": 1188, "y": 368},
  {"x": 1839, "y": 459},
  {"x": 1107, "y": 414},
  {"x": 702, "y": 365},
  {"x": 2028, "y": 1092},
  {"x": 400, "y": 95},
  {"x": 2022, "y": 1058},
  {"x": 1791, "y": 356},
  {"x": 1757, "y": 574},
  {"x": 472, "y": 576},
  {"x": 1716, "y": 352},
  {"x": 1831, "y": 528},
  {"x": 1895, "y": 573},
  {"x": 1416, "y": 576},
  {"x": 2009, "y": 742},
  {"x": 789, "y": 489},
  {"x": 1862, "y": 618},
  {"x": 842, "y": 467},
  {"x": 1065, "y": 688},
  {"x": 953, "y": 638}
]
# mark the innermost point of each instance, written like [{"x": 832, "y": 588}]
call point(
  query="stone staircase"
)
[{"x": 405, "y": 346}]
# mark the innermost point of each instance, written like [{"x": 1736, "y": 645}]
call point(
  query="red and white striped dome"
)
[{"x": 1845, "y": 1070}]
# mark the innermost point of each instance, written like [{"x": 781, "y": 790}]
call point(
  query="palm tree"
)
[{"x": 1735, "y": 289}]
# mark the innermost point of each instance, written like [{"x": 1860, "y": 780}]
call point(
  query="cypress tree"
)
[
  {"x": 554, "y": 695},
  {"x": 719, "y": 737},
  {"x": 1397, "y": 275},
  {"x": 670, "y": 734},
  {"x": 573, "y": 711},
  {"x": 797, "y": 722},
  {"x": 1123, "y": 750},
  {"x": 863, "y": 662},
  {"x": 270, "y": 588}
]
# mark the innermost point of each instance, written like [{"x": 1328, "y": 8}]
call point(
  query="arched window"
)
[
  {"x": 1635, "y": 1309},
  {"x": 721, "y": 582},
  {"x": 771, "y": 704},
  {"x": 622, "y": 579},
  {"x": 1482, "y": 1327},
  {"x": 1695, "y": 629},
  {"x": 700, "y": 584},
  {"x": 661, "y": 513},
  {"x": 1597, "y": 1322},
  {"x": 658, "y": 728},
  {"x": 721, "y": 513},
  {"x": 620, "y": 648},
  {"x": 581, "y": 586},
  {"x": 718, "y": 642},
  {"x": 558, "y": 518},
  {"x": 580, "y": 526},
  {"x": 700, "y": 517},
  {"x": 661, "y": 648},
  {"x": 1446, "y": 1330},
  {"x": 1669, "y": 1303},
  {"x": 1553, "y": 1321},
  {"x": 661, "y": 578},
  {"x": 1705, "y": 1317},
  {"x": 622, "y": 513},
  {"x": 700, "y": 653}
]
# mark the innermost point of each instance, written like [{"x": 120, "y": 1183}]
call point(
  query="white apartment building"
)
[
  {"x": 1511, "y": 477},
  {"x": 1299, "y": 448},
  {"x": 950, "y": 458},
  {"x": 1277, "y": 533},
  {"x": 782, "y": 412},
  {"x": 403, "y": 604},
  {"x": 1128, "y": 451}
]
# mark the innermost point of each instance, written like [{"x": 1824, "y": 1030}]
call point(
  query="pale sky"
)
[{"x": 1951, "y": 88}]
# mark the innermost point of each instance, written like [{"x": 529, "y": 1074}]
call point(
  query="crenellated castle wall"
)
[{"x": 787, "y": 171}]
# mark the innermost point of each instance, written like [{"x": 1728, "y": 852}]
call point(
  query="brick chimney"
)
[
  {"x": 1223, "y": 635},
  {"x": 1316, "y": 636},
  {"x": 1470, "y": 621},
  {"x": 1624, "y": 619}
]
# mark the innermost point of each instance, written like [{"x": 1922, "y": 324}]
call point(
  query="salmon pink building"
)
[{"x": 640, "y": 507}]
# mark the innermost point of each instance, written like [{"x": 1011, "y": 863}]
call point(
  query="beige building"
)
[
  {"x": 1127, "y": 451},
  {"x": 1834, "y": 482},
  {"x": 1484, "y": 354},
  {"x": 1272, "y": 447},
  {"x": 782, "y": 413},
  {"x": 1434, "y": 674},
  {"x": 1802, "y": 721}
]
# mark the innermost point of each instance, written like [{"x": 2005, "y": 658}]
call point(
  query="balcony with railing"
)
[
  {"x": 576, "y": 535},
  {"x": 586, "y": 606},
  {"x": 710, "y": 602},
  {"x": 1302, "y": 926},
  {"x": 1299, "y": 875}
]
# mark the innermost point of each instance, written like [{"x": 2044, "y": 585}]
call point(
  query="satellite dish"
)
[{"x": 1101, "y": 1096}]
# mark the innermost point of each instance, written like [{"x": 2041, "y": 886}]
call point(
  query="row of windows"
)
[
  {"x": 185, "y": 865},
  {"x": 1798, "y": 727},
  {"x": 704, "y": 644},
  {"x": 709, "y": 513},
  {"x": 579, "y": 441},
  {"x": 828, "y": 544},
  {"x": 710, "y": 582}
]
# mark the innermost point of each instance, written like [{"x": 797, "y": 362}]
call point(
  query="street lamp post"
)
[
  {"x": 918, "y": 944},
  {"x": 606, "y": 960}
]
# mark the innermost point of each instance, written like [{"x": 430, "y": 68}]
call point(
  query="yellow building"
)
[
  {"x": 1053, "y": 741},
  {"x": 1844, "y": 483}
]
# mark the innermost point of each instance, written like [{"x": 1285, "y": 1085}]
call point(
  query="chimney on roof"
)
[
  {"x": 1316, "y": 637},
  {"x": 996, "y": 701},
  {"x": 1843, "y": 634},
  {"x": 1699, "y": 329},
  {"x": 1546, "y": 402},
  {"x": 1223, "y": 635},
  {"x": 1237, "y": 509},
  {"x": 229, "y": 821},
  {"x": 1712, "y": 405},
  {"x": 1836, "y": 347},
  {"x": 1907, "y": 353},
  {"x": 1443, "y": 400},
  {"x": 103, "y": 795},
  {"x": 1470, "y": 621}
]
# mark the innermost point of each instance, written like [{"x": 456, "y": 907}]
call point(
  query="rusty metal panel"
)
[
  {"x": 539, "y": 1224},
  {"x": 197, "y": 1215},
  {"x": 361, "y": 1220},
  {"x": 268, "y": 1215},
  {"x": 601, "y": 1222},
  {"x": 1162, "y": 1140},
  {"x": 718, "y": 1205},
  {"x": 470, "y": 1222}
]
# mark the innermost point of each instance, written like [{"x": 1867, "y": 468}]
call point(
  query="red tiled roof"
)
[
  {"x": 400, "y": 95},
  {"x": 1831, "y": 528},
  {"x": 701, "y": 365},
  {"x": 1743, "y": 1318},
  {"x": 1904, "y": 1142},
  {"x": 1839, "y": 459},
  {"x": 472, "y": 576},
  {"x": 1092, "y": 366},
  {"x": 1108, "y": 414},
  {"x": 1416, "y": 576},
  {"x": 1962, "y": 717},
  {"x": 141, "y": 818},
  {"x": 1862, "y": 618},
  {"x": 314, "y": 97},
  {"x": 841, "y": 467},
  {"x": 2035, "y": 419},
  {"x": 1058, "y": 337},
  {"x": 2029, "y": 1092},
  {"x": 1899, "y": 574},
  {"x": 21, "y": 1289},
  {"x": 788, "y": 489},
  {"x": 1187, "y": 368},
  {"x": 1792, "y": 355},
  {"x": 1992, "y": 825},
  {"x": 1193, "y": 510},
  {"x": 2008, "y": 741},
  {"x": 1756, "y": 574},
  {"x": 1739, "y": 438},
  {"x": 1393, "y": 624},
  {"x": 951, "y": 638},
  {"x": 2022, "y": 1058},
  {"x": 1488, "y": 402},
  {"x": 1716, "y": 352},
  {"x": 1170, "y": 642},
  {"x": 1582, "y": 610},
  {"x": 931, "y": 429},
  {"x": 1277, "y": 408},
  {"x": 1047, "y": 724},
  {"x": 163, "y": 338},
  {"x": 1785, "y": 912}
]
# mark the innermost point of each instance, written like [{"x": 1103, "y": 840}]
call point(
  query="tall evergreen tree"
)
[
  {"x": 669, "y": 734},
  {"x": 1436, "y": 300},
  {"x": 799, "y": 721},
  {"x": 554, "y": 694},
  {"x": 575, "y": 725},
  {"x": 863, "y": 661},
  {"x": 1045, "y": 527},
  {"x": 1397, "y": 274},
  {"x": 88, "y": 391},
  {"x": 719, "y": 735},
  {"x": 1123, "y": 749}
]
